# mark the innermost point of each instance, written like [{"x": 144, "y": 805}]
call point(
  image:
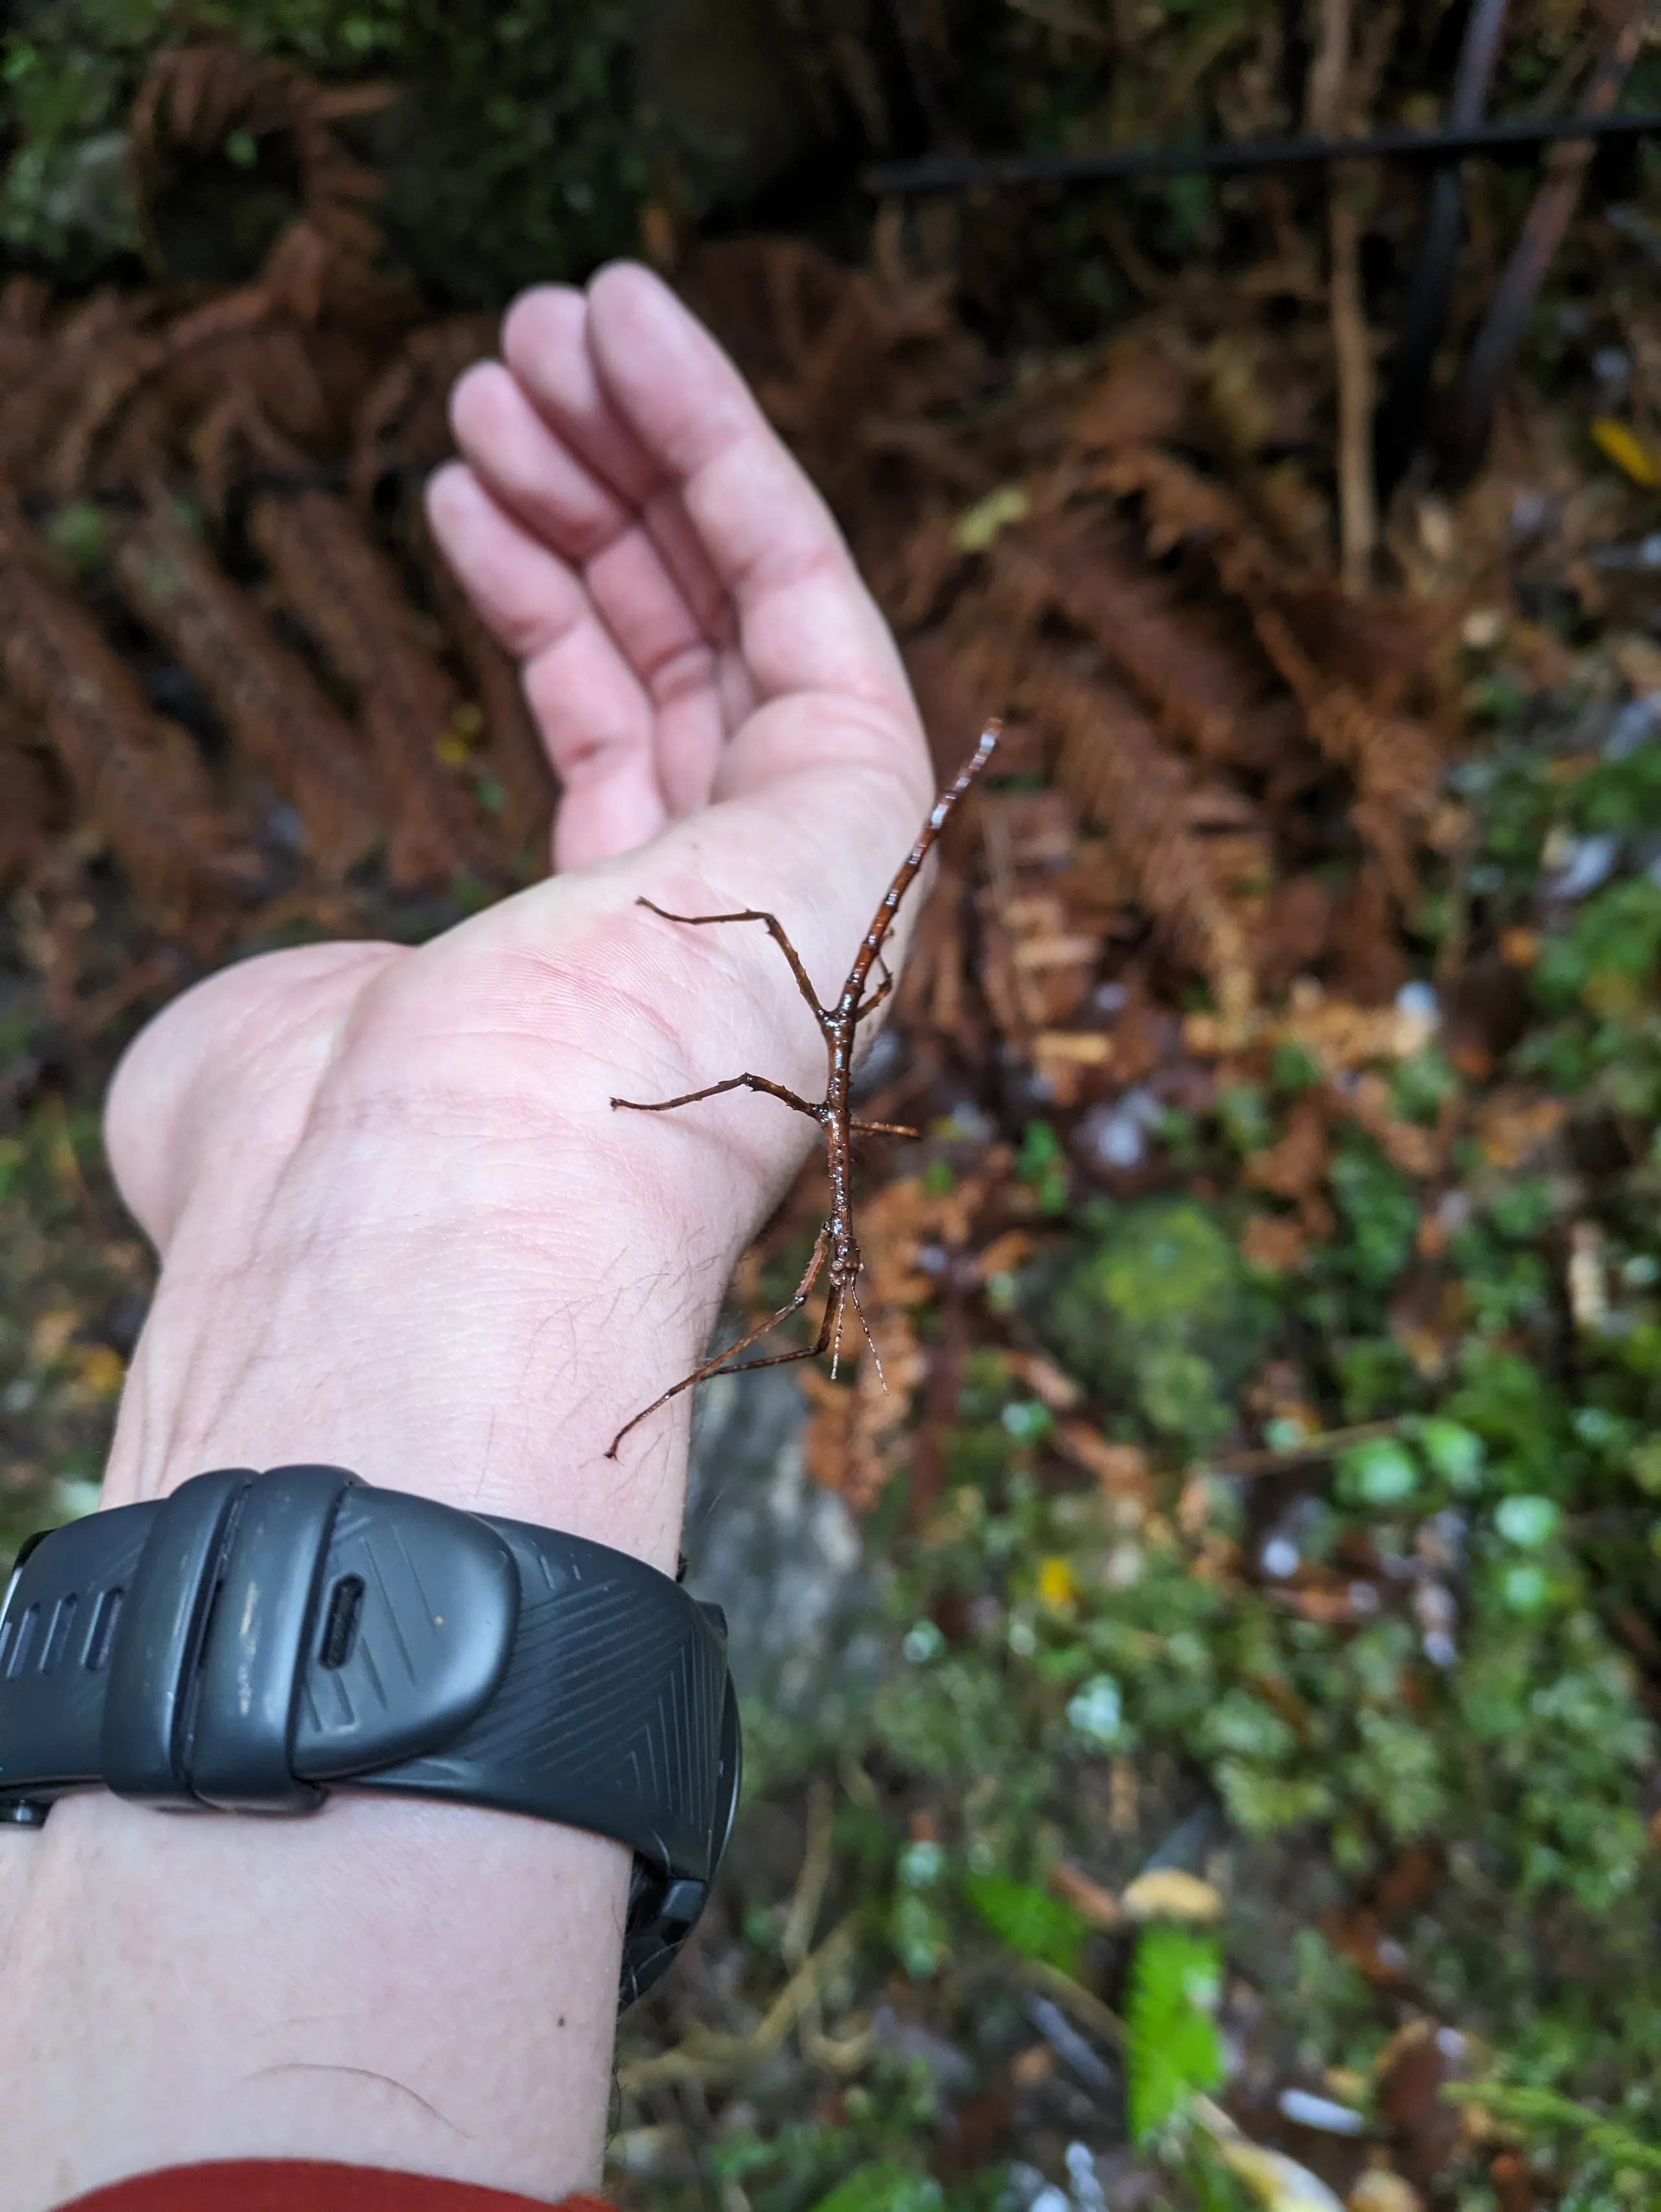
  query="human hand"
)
[
  {"x": 402, "y": 1230},
  {"x": 400, "y": 1226}
]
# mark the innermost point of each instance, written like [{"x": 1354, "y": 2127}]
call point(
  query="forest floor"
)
[{"x": 1231, "y": 1772}]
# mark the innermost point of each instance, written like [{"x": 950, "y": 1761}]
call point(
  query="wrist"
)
[
  {"x": 479, "y": 1343},
  {"x": 469, "y": 1320}
]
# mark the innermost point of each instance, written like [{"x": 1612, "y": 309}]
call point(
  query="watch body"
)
[{"x": 254, "y": 1640}]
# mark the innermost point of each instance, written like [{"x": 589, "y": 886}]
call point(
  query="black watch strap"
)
[{"x": 252, "y": 1640}]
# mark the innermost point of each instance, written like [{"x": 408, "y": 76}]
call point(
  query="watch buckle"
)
[{"x": 207, "y": 1657}]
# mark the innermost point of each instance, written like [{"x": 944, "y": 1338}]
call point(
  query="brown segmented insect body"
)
[{"x": 835, "y": 1250}]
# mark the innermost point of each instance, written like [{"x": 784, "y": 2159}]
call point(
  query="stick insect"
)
[{"x": 835, "y": 1253}]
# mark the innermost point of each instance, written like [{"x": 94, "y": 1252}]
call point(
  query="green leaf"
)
[
  {"x": 1454, "y": 1452},
  {"x": 1176, "y": 1978},
  {"x": 1378, "y": 1473},
  {"x": 80, "y": 534},
  {"x": 1525, "y": 1590},
  {"x": 1528, "y": 1522},
  {"x": 883, "y": 2187},
  {"x": 1293, "y": 1068},
  {"x": 1028, "y": 1920},
  {"x": 1041, "y": 1149}
]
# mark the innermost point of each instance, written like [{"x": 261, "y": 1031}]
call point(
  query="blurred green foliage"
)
[
  {"x": 1176, "y": 1984},
  {"x": 519, "y": 148},
  {"x": 1159, "y": 1308},
  {"x": 1031, "y": 1920},
  {"x": 885, "y": 2187}
]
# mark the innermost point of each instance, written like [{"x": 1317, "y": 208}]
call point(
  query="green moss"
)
[
  {"x": 1159, "y": 1311},
  {"x": 1379, "y": 1212},
  {"x": 1612, "y": 946},
  {"x": 951, "y": 1719}
]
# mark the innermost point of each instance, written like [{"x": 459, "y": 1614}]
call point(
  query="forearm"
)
[
  {"x": 403, "y": 1232},
  {"x": 418, "y": 1986},
  {"x": 404, "y": 1984}
]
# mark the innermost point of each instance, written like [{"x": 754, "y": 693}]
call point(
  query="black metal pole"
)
[{"x": 945, "y": 173}]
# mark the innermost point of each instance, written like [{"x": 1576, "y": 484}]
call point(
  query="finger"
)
[
  {"x": 545, "y": 342},
  {"x": 530, "y": 472},
  {"x": 530, "y": 469},
  {"x": 595, "y": 719},
  {"x": 808, "y": 623}
]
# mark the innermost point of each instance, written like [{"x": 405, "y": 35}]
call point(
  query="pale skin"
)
[{"x": 402, "y": 1230}]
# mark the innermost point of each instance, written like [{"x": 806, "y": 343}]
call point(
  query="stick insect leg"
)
[
  {"x": 853, "y": 1289},
  {"x": 731, "y": 1083},
  {"x": 718, "y": 1364},
  {"x": 833, "y": 1305},
  {"x": 877, "y": 995},
  {"x": 774, "y": 930}
]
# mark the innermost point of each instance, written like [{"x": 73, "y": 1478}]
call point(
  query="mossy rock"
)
[{"x": 1159, "y": 1312}]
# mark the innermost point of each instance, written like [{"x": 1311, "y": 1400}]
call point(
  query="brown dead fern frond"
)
[
  {"x": 32, "y": 810},
  {"x": 276, "y": 713},
  {"x": 1392, "y": 757},
  {"x": 325, "y": 271},
  {"x": 1178, "y": 503},
  {"x": 193, "y": 97},
  {"x": 109, "y": 387},
  {"x": 1211, "y": 690},
  {"x": 1110, "y": 760},
  {"x": 90, "y": 359},
  {"x": 807, "y": 331},
  {"x": 402, "y": 422},
  {"x": 138, "y": 774},
  {"x": 349, "y": 596},
  {"x": 144, "y": 403},
  {"x": 1144, "y": 393}
]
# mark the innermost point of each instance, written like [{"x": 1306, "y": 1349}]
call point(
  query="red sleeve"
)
[{"x": 301, "y": 2185}]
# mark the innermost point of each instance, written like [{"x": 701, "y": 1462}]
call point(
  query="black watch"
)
[{"x": 253, "y": 1640}]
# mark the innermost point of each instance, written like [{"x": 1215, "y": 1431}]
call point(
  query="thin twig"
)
[
  {"x": 1328, "y": 71},
  {"x": 803, "y": 1916},
  {"x": 835, "y": 1250},
  {"x": 1308, "y": 1454},
  {"x": 1541, "y": 233},
  {"x": 714, "y": 2058},
  {"x": 1086, "y": 2007},
  {"x": 1352, "y": 347}
]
